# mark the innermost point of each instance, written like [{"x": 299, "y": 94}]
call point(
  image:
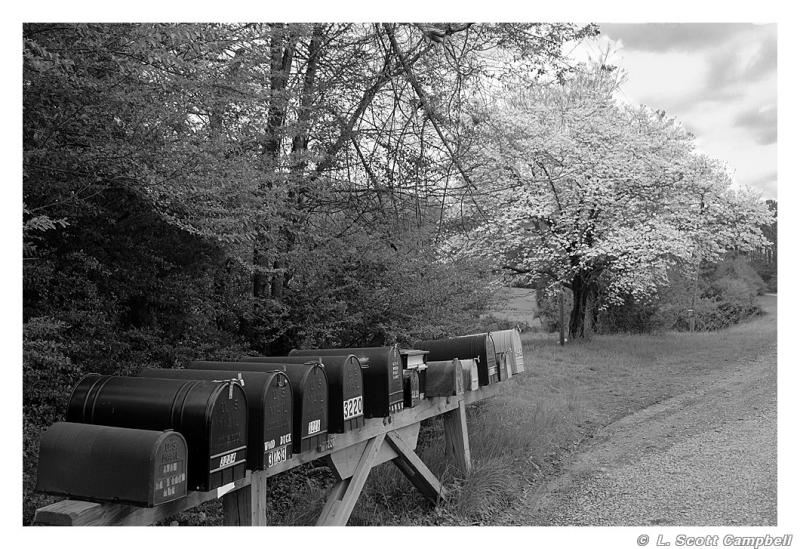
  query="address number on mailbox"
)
[
  {"x": 276, "y": 456},
  {"x": 353, "y": 407}
]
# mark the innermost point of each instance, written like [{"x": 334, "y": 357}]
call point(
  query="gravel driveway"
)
[{"x": 703, "y": 458}]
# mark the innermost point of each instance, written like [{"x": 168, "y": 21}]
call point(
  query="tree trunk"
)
[
  {"x": 581, "y": 290},
  {"x": 282, "y": 50}
]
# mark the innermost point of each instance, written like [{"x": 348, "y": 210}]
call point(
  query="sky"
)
[{"x": 718, "y": 79}]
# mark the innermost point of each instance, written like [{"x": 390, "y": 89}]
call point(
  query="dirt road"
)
[{"x": 705, "y": 457}]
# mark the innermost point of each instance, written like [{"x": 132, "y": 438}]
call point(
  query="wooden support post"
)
[
  {"x": 334, "y": 497},
  {"x": 258, "y": 499},
  {"x": 344, "y": 495},
  {"x": 237, "y": 507},
  {"x": 457, "y": 438},
  {"x": 415, "y": 470},
  {"x": 247, "y": 506}
]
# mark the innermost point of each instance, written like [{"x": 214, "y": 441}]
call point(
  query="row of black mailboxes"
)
[
  {"x": 248, "y": 414},
  {"x": 234, "y": 415}
]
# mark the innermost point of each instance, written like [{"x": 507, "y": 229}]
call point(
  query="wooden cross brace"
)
[{"x": 353, "y": 475}]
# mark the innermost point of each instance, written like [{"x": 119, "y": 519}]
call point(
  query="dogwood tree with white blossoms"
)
[{"x": 588, "y": 193}]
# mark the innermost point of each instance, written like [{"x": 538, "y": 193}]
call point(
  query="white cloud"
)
[{"x": 719, "y": 80}]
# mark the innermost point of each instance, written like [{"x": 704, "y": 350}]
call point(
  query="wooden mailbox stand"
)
[{"x": 352, "y": 457}]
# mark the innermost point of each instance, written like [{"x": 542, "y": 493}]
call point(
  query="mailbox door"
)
[
  {"x": 352, "y": 408},
  {"x": 169, "y": 469},
  {"x": 278, "y": 421},
  {"x": 516, "y": 345},
  {"x": 410, "y": 388},
  {"x": 490, "y": 355},
  {"x": 314, "y": 423},
  {"x": 228, "y": 441}
]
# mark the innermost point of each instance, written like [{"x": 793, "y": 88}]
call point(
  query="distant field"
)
[{"x": 517, "y": 305}]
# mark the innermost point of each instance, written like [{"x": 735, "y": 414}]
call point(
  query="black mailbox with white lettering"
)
[
  {"x": 345, "y": 387},
  {"x": 101, "y": 463},
  {"x": 269, "y": 401},
  {"x": 477, "y": 346},
  {"x": 211, "y": 416},
  {"x": 310, "y": 392},
  {"x": 383, "y": 378}
]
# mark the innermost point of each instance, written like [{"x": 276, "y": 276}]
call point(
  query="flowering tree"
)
[{"x": 587, "y": 193}]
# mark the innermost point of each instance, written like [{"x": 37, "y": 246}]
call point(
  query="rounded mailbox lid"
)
[
  {"x": 170, "y": 471},
  {"x": 510, "y": 342},
  {"x": 228, "y": 434},
  {"x": 313, "y": 383},
  {"x": 102, "y": 463}
]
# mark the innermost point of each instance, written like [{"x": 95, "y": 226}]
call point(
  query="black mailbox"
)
[
  {"x": 477, "y": 346},
  {"x": 269, "y": 401},
  {"x": 445, "y": 378},
  {"x": 345, "y": 387},
  {"x": 502, "y": 366},
  {"x": 211, "y": 416},
  {"x": 383, "y": 379},
  {"x": 310, "y": 392},
  {"x": 101, "y": 463},
  {"x": 410, "y": 388}
]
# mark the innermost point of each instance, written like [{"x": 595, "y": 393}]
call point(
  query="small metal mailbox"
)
[
  {"x": 415, "y": 359},
  {"x": 445, "y": 378},
  {"x": 510, "y": 343},
  {"x": 101, "y": 463},
  {"x": 345, "y": 387},
  {"x": 269, "y": 402},
  {"x": 477, "y": 346},
  {"x": 502, "y": 366},
  {"x": 310, "y": 392},
  {"x": 211, "y": 416},
  {"x": 383, "y": 379},
  {"x": 411, "y": 395},
  {"x": 470, "y": 369}
]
